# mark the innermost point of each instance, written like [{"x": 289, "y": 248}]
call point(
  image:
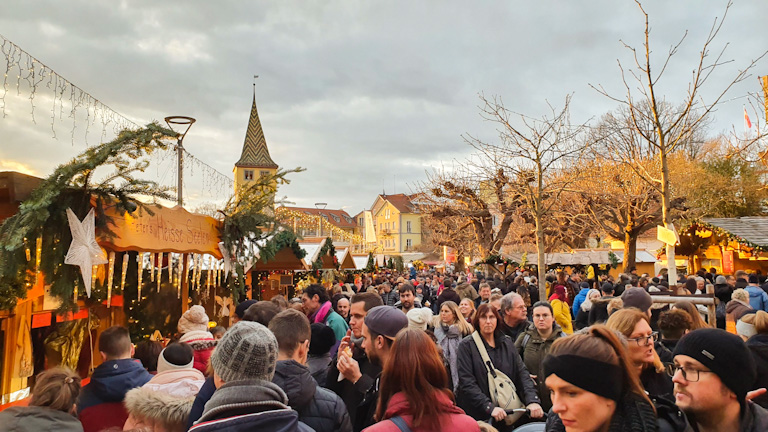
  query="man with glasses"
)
[
  {"x": 514, "y": 315},
  {"x": 713, "y": 371}
]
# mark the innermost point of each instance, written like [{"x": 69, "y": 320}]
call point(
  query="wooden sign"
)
[
  {"x": 167, "y": 230},
  {"x": 667, "y": 236},
  {"x": 727, "y": 261}
]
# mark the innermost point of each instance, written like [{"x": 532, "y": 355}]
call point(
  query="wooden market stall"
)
[{"x": 727, "y": 244}]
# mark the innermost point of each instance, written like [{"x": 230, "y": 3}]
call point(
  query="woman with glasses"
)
[
  {"x": 636, "y": 328},
  {"x": 534, "y": 344}
]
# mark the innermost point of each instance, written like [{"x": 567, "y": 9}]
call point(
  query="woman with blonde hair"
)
[
  {"x": 689, "y": 307},
  {"x": 450, "y": 327},
  {"x": 636, "y": 329},
  {"x": 758, "y": 346},
  {"x": 52, "y": 407},
  {"x": 467, "y": 309},
  {"x": 593, "y": 385}
]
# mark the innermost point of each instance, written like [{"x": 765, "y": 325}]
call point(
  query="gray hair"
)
[{"x": 508, "y": 300}]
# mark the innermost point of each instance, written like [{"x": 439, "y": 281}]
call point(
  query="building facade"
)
[{"x": 396, "y": 223}]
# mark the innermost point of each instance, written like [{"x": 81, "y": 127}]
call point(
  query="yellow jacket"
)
[{"x": 562, "y": 315}]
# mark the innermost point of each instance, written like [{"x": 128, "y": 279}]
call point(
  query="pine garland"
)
[
  {"x": 70, "y": 186},
  {"x": 326, "y": 249},
  {"x": 370, "y": 266}
]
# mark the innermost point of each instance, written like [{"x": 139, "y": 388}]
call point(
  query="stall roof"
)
[
  {"x": 346, "y": 262},
  {"x": 360, "y": 261},
  {"x": 751, "y": 228},
  {"x": 580, "y": 257}
]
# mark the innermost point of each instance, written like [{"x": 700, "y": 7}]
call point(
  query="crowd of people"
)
[{"x": 430, "y": 351}]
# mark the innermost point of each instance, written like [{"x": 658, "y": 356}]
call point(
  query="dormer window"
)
[{"x": 248, "y": 174}]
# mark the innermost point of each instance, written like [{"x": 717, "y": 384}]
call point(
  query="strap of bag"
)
[
  {"x": 400, "y": 423},
  {"x": 484, "y": 354}
]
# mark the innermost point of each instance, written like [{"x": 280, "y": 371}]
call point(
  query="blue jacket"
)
[
  {"x": 578, "y": 300},
  {"x": 111, "y": 381},
  {"x": 758, "y": 299}
]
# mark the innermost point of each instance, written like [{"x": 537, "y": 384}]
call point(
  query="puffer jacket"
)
[
  {"x": 100, "y": 404},
  {"x": 203, "y": 343},
  {"x": 165, "y": 402},
  {"x": 249, "y": 405},
  {"x": 578, "y": 300},
  {"x": 451, "y": 416},
  {"x": 33, "y": 418},
  {"x": 533, "y": 348},
  {"x": 318, "y": 408},
  {"x": 758, "y": 299},
  {"x": 474, "y": 394}
]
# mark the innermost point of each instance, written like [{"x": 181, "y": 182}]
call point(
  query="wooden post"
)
[
  {"x": 183, "y": 283},
  {"x": 711, "y": 317}
]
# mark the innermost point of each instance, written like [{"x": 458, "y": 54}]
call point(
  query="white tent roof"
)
[
  {"x": 360, "y": 261},
  {"x": 581, "y": 257}
]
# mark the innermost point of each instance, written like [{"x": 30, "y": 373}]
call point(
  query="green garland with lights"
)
[
  {"x": 326, "y": 249},
  {"x": 722, "y": 234},
  {"x": 71, "y": 185}
]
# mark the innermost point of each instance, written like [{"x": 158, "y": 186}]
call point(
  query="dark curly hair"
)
[{"x": 673, "y": 323}]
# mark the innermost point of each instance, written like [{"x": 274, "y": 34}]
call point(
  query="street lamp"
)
[{"x": 187, "y": 123}]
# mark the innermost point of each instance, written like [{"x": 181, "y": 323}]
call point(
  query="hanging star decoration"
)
[{"x": 84, "y": 252}]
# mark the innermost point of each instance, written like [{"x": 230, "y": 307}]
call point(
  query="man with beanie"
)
[
  {"x": 350, "y": 386},
  {"x": 319, "y": 408},
  {"x": 100, "y": 404},
  {"x": 713, "y": 373},
  {"x": 245, "y": 398},
  {"x": 193, "y": 326},
  {"x": 380, "y": 328}
]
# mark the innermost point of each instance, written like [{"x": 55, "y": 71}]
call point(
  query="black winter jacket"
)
[
  {"x": 758, "y": 346},
  {"x": 473, "y": 394},
  {"x": 318, "y": 408},
  {"x": 352, "y": 394}
]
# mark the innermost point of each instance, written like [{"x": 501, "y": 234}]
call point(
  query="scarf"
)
[
  {"x": 322, "y": 313},
  {"x": 450, "y": 346}
]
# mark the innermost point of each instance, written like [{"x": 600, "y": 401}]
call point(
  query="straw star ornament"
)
[{"x": 84, "y": 252}]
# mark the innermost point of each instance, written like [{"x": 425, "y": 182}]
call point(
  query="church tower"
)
[{"x": 254, "y": 160}]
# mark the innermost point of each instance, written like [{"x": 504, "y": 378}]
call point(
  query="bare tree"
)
[
  {"x": 468, "y": 211},
  {"x": 670, "y": 131},
  {"x": 535, "y": 157}
]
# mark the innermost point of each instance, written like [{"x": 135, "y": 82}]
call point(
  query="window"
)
[
  {"x": 408, "y": 243},
  {"x": 387, "y": 213},
  {"x": 248, "y": 174},
  {"x": 264, "y": 173},
  {"x": 408, "y": 227}
]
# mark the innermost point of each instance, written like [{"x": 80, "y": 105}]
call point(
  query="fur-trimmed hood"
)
[{"x": 146, "y": 406}]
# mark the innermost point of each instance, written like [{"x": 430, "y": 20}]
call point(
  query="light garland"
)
[
  {"x": 159, "y": 269},
  {"x": 125, "y": 271},
  {"x": 304, "y": 220},
  {"x": 151, "y": 266},
  {"x": 180, "y": 275},
  {"x": 38, "y": 257}
]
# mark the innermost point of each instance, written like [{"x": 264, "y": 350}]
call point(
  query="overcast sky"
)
[{"x": 365, "y": 95}]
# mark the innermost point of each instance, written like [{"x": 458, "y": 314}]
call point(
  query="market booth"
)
[{"x": 149, "y": 258}]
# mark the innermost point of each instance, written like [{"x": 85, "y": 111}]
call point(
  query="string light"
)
[
  {"x": 94, "y": 270},
  {"x": 303, "y": 220},
  {"x": 38, "y": 257},
  {"x": 152, "y": 266},
  {"x": 110, "y": 278}
]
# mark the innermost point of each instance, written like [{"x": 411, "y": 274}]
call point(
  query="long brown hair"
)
[
  {"x": 693, "y": 312},
  {"x": 602, "y": 344},
  {"x": 624, "y": 322},
  {"x": 415, "y": 368}
]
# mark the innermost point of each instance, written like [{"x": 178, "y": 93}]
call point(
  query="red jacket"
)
[{"x": 453, "y": 418}]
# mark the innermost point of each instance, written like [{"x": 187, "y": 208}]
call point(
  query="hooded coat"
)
[
  {"x": 318, "y": 408},
  {"x": 758, "y": 299},
  {"x": 34, "y": 418},
  {"x": 100, "y": 404},
  {"x": 578, "y": 300},
  {"x": 165, "y": 402},
  {"x": 599, "y": 312},
  {"x": 467, "y": 291},
  {"x": 249, "y": 405},
  {"x": 452, "y": 416},
  {"x": 533, "y": 348}
]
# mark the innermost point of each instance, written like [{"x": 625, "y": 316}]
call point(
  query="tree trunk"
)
[
  {"x": 541, "y": 259},
  {"x": 630, "y": 244},
  {"x": 459, "y": 262}
]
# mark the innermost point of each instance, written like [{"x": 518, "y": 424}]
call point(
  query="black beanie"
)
[
  {"x": 242, "y": 307},
  {"x": 322, "y": 339},
  {"x": 723, "y": 353}
]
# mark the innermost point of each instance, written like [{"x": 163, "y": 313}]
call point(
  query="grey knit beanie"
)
[{"x": 248, "y": 350}]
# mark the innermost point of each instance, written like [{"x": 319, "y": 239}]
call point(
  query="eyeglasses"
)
[
  {"x": 690, "y": 375},
  {"x": 646, "y": 340}
]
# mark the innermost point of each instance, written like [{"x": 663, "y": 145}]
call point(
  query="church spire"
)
[{"x": 255, "y": 152}]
